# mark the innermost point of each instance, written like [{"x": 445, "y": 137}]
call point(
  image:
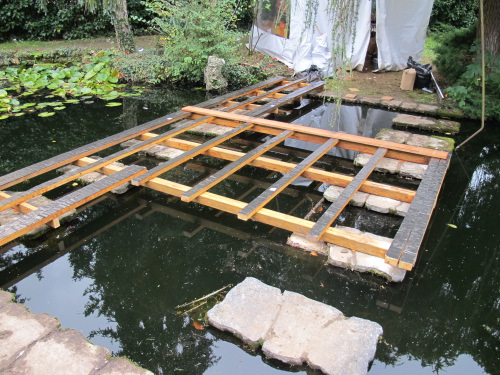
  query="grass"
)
[{"x": 429, "y": 54}]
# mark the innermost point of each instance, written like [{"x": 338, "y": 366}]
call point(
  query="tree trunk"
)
[
  {"x": 492, "y": 26},
  {"x": 123, "y": 31}
]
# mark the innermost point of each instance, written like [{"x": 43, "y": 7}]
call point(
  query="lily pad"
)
[
  {"x": 4, "y": 117},
  {"x": 113, "y": 104},
  {"x": 71, "y": 101},
  {"x": 59, "y": 108},
  {"x": 46, "y": 114}
]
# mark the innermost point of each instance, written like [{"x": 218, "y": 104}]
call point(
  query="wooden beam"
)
[
  {"x": 53, "y": 210},
  {"x": 394, "y": 192},
  {"x": 172, "y": 163},
  {"x": 37, "y": 169},
  {"x": 395, "y": 150},
  {"x": 345, "y": 197},
  {"x": 233, "y": 167},
  {"x": 260, "y": 201},
  {"x": 94, "y": 166},
  {"x": 293, "y": 224},
  {"x": 26, "y": 208}
]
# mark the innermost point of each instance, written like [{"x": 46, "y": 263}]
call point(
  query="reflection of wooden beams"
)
[
  {"x": 354, "y": 142},
  {"x": 233, "y": 167},
  {"x": 63, "y": 250},
  {"x": 260, "y": 201},
  {"x": 345, "y": 197},
  {"x": 53, "y": 210},
  {"x": 401, "y": 194},
  {"x": 290, "y": 223}
]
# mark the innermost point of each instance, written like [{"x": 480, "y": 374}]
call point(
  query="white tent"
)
[{"x": 301, "y": 39}]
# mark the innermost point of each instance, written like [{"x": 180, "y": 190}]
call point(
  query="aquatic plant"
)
[{"x": 95, "y": 79}]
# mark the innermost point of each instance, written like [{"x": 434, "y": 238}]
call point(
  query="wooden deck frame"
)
[{"x": 401, "y": 253}]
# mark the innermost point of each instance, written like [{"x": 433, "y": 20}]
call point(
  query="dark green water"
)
[{"x": 117, "y": 272}]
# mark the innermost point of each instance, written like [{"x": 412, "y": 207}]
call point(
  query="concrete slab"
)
[
  {"x": 333, "y": 192},
  {"x": 386, "y": 205},
  {"x": 5, "y": 297},
  {"x": 352, "y": 342},
  {"x": 385, "y": 165},
  {"x": 390, "y": 135},
  {"x": 122, "y": 366},
  {"x": 211, "y": 129},
  {"x": 248, "y": 311},
  {"x": 302, "y": 242},
  {"x": 304, "y": 330},
  {"x": 18, "y": 329},
  {"x": 296, "y": 328},
  {"x": 426, "y": 123},
  {"x": 412, "y": 170},
  {"x": 63, "y": 352}
]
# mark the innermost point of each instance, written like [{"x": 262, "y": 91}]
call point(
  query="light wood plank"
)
[
  {"x": 233, "y": 167},
  {"x": 336, "y": 207},
  {"x": 401, "y": 194},
  {"x": 260, "y": 201},
  {"x": 401, "y": 149}
]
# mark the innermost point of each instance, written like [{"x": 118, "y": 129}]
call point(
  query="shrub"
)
[
  {"x": 458, "y": 59},
  {"x": 456, "y": 13},
  {"x": 190, "y": 32}
]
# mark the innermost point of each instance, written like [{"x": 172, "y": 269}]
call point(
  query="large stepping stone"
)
[
  {"x": 426, "y": 141},
  {"x": 426, "y": 123},
  {"x": 295, "y": 329}
]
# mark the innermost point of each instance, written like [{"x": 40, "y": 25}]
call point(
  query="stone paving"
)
[
  {"x": 426, "y": 123},
  {"x": 34, "y": 344},
  {"x": 296, "y": 330}
]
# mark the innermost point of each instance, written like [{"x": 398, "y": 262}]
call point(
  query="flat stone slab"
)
[
  {"x": 298, "y": 329},
  {"x": 12, "y": 214},
  {"x": 385, "y": 165},
  {"x": 63, "y": 352},
  {"x": 426, "y": 123},
  {"x": 302, "y": 242},
  {"x": 33, "y": 344},
  {"x": 426, "y": 141},
  {"x": 333, "y": 192},
  {"x": 357, "y": 261},
  {"x": 251, "y": 301},
  {"x": 19, "y": 329}
]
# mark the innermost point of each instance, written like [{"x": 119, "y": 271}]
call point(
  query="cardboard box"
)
[{"x": 408, "y": 79}]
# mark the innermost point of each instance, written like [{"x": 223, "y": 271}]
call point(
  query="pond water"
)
[{"x": 117, "y": 272}]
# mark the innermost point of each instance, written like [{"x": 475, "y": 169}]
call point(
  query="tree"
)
[
  {"x": 492, "y": 26},
  {"x": 117, "y": 9},
  {"x": 119, "y": 14}
]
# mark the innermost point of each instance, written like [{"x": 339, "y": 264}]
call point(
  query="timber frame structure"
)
[{"x": 241, "y": 111}]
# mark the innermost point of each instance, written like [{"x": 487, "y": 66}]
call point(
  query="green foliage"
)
[
  {"x": 456, "y": 13},
  {"x": 459, "y": 61},
  {"x": 97, "y": 78},
  {"x": 190, "y": 32},
  {"x": 146, "y": 66},
  {"x": 61, "y": 19},
  {"x": 239, "y": 75}
]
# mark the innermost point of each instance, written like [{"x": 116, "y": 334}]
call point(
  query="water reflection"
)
[
  {"x": 118, "y": 271},
  {"x": 348, "y": 119}
]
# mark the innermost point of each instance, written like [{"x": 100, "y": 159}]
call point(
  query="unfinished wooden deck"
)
[{"x": 242, "y": 111}]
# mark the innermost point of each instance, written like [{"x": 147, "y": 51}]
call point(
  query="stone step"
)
[
  {"x": 296, "y": 330},
  {"x": 34, "y": 344},
  {"x": 426, "y": 123},
  {"x": 432, "y": 142}
]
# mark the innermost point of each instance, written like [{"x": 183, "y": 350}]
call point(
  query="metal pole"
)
[{"x": 483, "y": 73}]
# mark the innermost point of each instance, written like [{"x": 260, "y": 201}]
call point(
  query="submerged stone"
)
[
  {"x": 333, "y": 192},
  {"x": 298, "y": 329}
]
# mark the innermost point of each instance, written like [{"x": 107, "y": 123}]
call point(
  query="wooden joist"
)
[
  {"x": 55, "y": 209},
  {"x": 172, "y": 163},
  {"x": 336, "y": 208},
  {"x": 349, "y": 141},
  {"x": 233, "y": 167},
  {"x": 394, "y": 192},
  {"x": 260, "y": 201}
]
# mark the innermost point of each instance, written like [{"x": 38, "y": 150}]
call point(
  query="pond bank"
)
[{"x": 35, "y": 344}]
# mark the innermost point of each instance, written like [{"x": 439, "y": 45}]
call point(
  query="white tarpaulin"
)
[
  {"x": 401, "y": 30},
  {"x": 303, "y": 38}
]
